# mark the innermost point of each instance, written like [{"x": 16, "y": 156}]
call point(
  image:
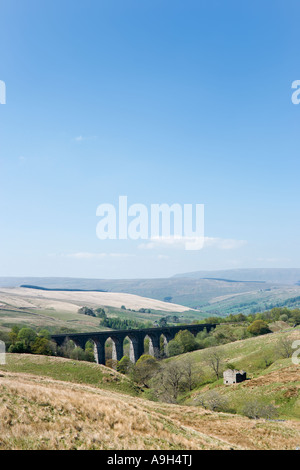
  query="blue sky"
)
[{"x": 163, "y": 101}]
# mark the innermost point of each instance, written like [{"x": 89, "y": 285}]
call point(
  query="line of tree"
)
[
  {"x": 117, "y": 323},
  {"x": 291, "y": 316},
  {"x": 27, "y": 340}
]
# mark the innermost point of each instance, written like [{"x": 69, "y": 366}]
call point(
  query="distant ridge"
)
[
  {"x": 226, "y": 280},
  {"x": 25, "y": 286},
  {"x": 212, "y": 292},
  {"x": 272, "y": 275}
]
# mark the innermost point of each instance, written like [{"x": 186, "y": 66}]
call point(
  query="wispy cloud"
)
[
  {"x": 224, "y": 243},
  {"x": 180, "y": 243},
  {"x": 81, "y": 138},
  {"x": 87, "y": 255}
]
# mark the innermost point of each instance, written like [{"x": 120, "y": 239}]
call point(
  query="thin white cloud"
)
[
  {"x": 180, "y": 243},
  {"x": 88, "y": 255},
  {"x": 81, "y": 138},
  {"x": 224, "y": 243}
]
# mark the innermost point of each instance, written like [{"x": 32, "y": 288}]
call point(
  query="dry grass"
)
[
  {"x": 67, "y": 301},
  {"x": 42, "y": 413}
]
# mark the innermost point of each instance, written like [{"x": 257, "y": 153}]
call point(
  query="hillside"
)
[
  {"x": 269, "y": 275},
  {"x": 210, "y": 296},
  {"x": 39, "y": 412},
  {"x": 59, "y": 309},
  {"x": 221, "y": 295},
  {"x": 273, "y": 380}
]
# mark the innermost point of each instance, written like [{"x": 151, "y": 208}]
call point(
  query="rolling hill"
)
[
  {"x": 273, "y": 380},
  {"x": 59, "y": 309},
  {"x": 53, "y": 403},
  {"x": 269, "y": 275},
  {"x": 211, "y": 292}
]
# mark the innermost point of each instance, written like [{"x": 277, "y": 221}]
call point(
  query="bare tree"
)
[
  {"x": 284, "y": 348},
  {"x": 213, "y": 358},
  {"x": 192, "y": 375},
  {"x": 255, "y": 410},
  {"x": 170, "y": 380},
  {"x": 213, "y": 401}
]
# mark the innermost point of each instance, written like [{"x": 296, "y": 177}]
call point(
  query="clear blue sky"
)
[{"x": 163, "y": 101}]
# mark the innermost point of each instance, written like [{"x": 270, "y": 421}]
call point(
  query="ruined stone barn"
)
[{"x": 234, "y": 376}]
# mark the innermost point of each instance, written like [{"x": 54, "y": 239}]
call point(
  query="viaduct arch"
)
[{"x": 136, "y": 338}]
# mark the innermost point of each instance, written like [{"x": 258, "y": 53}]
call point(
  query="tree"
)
[
  {"x": 144, "y": 370},
  {"x": 187, "y": 340},
  {"x": 284, "y": 348},
  {"x": 255, "y": 410},
  {"x": 44, "y": 334},
  {"x": 42, "y": 346},
  {"x": 258, "y": 327},
  {"x": 87, "y": 311},
  {"x": 112, "y": 363},
  {"x": 170, "y": 380},
  {"x": 100, "y": 312},
  {"x": 124, "y": 365},
  {"x": 162, "y": 322},
  {"x": 66, "y": 349},
  {"x": 78, "y": 354},
  {"x": 13, "y": 334},
  {"x": 192, "y": 376},
  {"x": 27, "y": 336},
  {"x": 213, "y": 401},
  {"x": 18, "y": 347},
  {"x": 214, "y": 360},
  {"x": 174, "y": 348}
]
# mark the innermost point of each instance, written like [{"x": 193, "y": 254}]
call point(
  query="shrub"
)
[
  {"x": 174, "y": 348},
  {"x": 213, "y": 401},
  {"x": 258, "y": 327},
  {"x": 124, "y": 365},
  {"x": 255, "y": 410}
]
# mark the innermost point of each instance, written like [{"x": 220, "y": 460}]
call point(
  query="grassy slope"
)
[
  {"x": 38, "y": 412},
  {"x": 278, "y": 384},
  {"x": 70, "y": 371},
  {"x": 50, "y": 319},
  {"x": 29, "y": 309}
]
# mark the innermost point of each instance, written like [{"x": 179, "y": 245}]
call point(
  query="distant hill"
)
[
  {"x": 211, "y": 292},
  {"x": 273, "y": 275}
]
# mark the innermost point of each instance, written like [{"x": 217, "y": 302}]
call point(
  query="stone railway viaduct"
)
[{"x": 136, "y": 339}]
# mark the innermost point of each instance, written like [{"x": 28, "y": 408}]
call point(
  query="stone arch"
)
[
  {"x": 117, "y": 348},
  {"x": 99, "y": 350},
  {"x": 136, "y": 346},
  {"x": 163, "y": 344},
  {"x": 108, "y": 348},
  {"x": 126, "y": 346},
  {"x": 146, "y": 344},
  {"x": 154, "y": 344}
]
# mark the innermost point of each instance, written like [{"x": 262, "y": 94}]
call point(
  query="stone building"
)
[{"x": 234, "y": 376}]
